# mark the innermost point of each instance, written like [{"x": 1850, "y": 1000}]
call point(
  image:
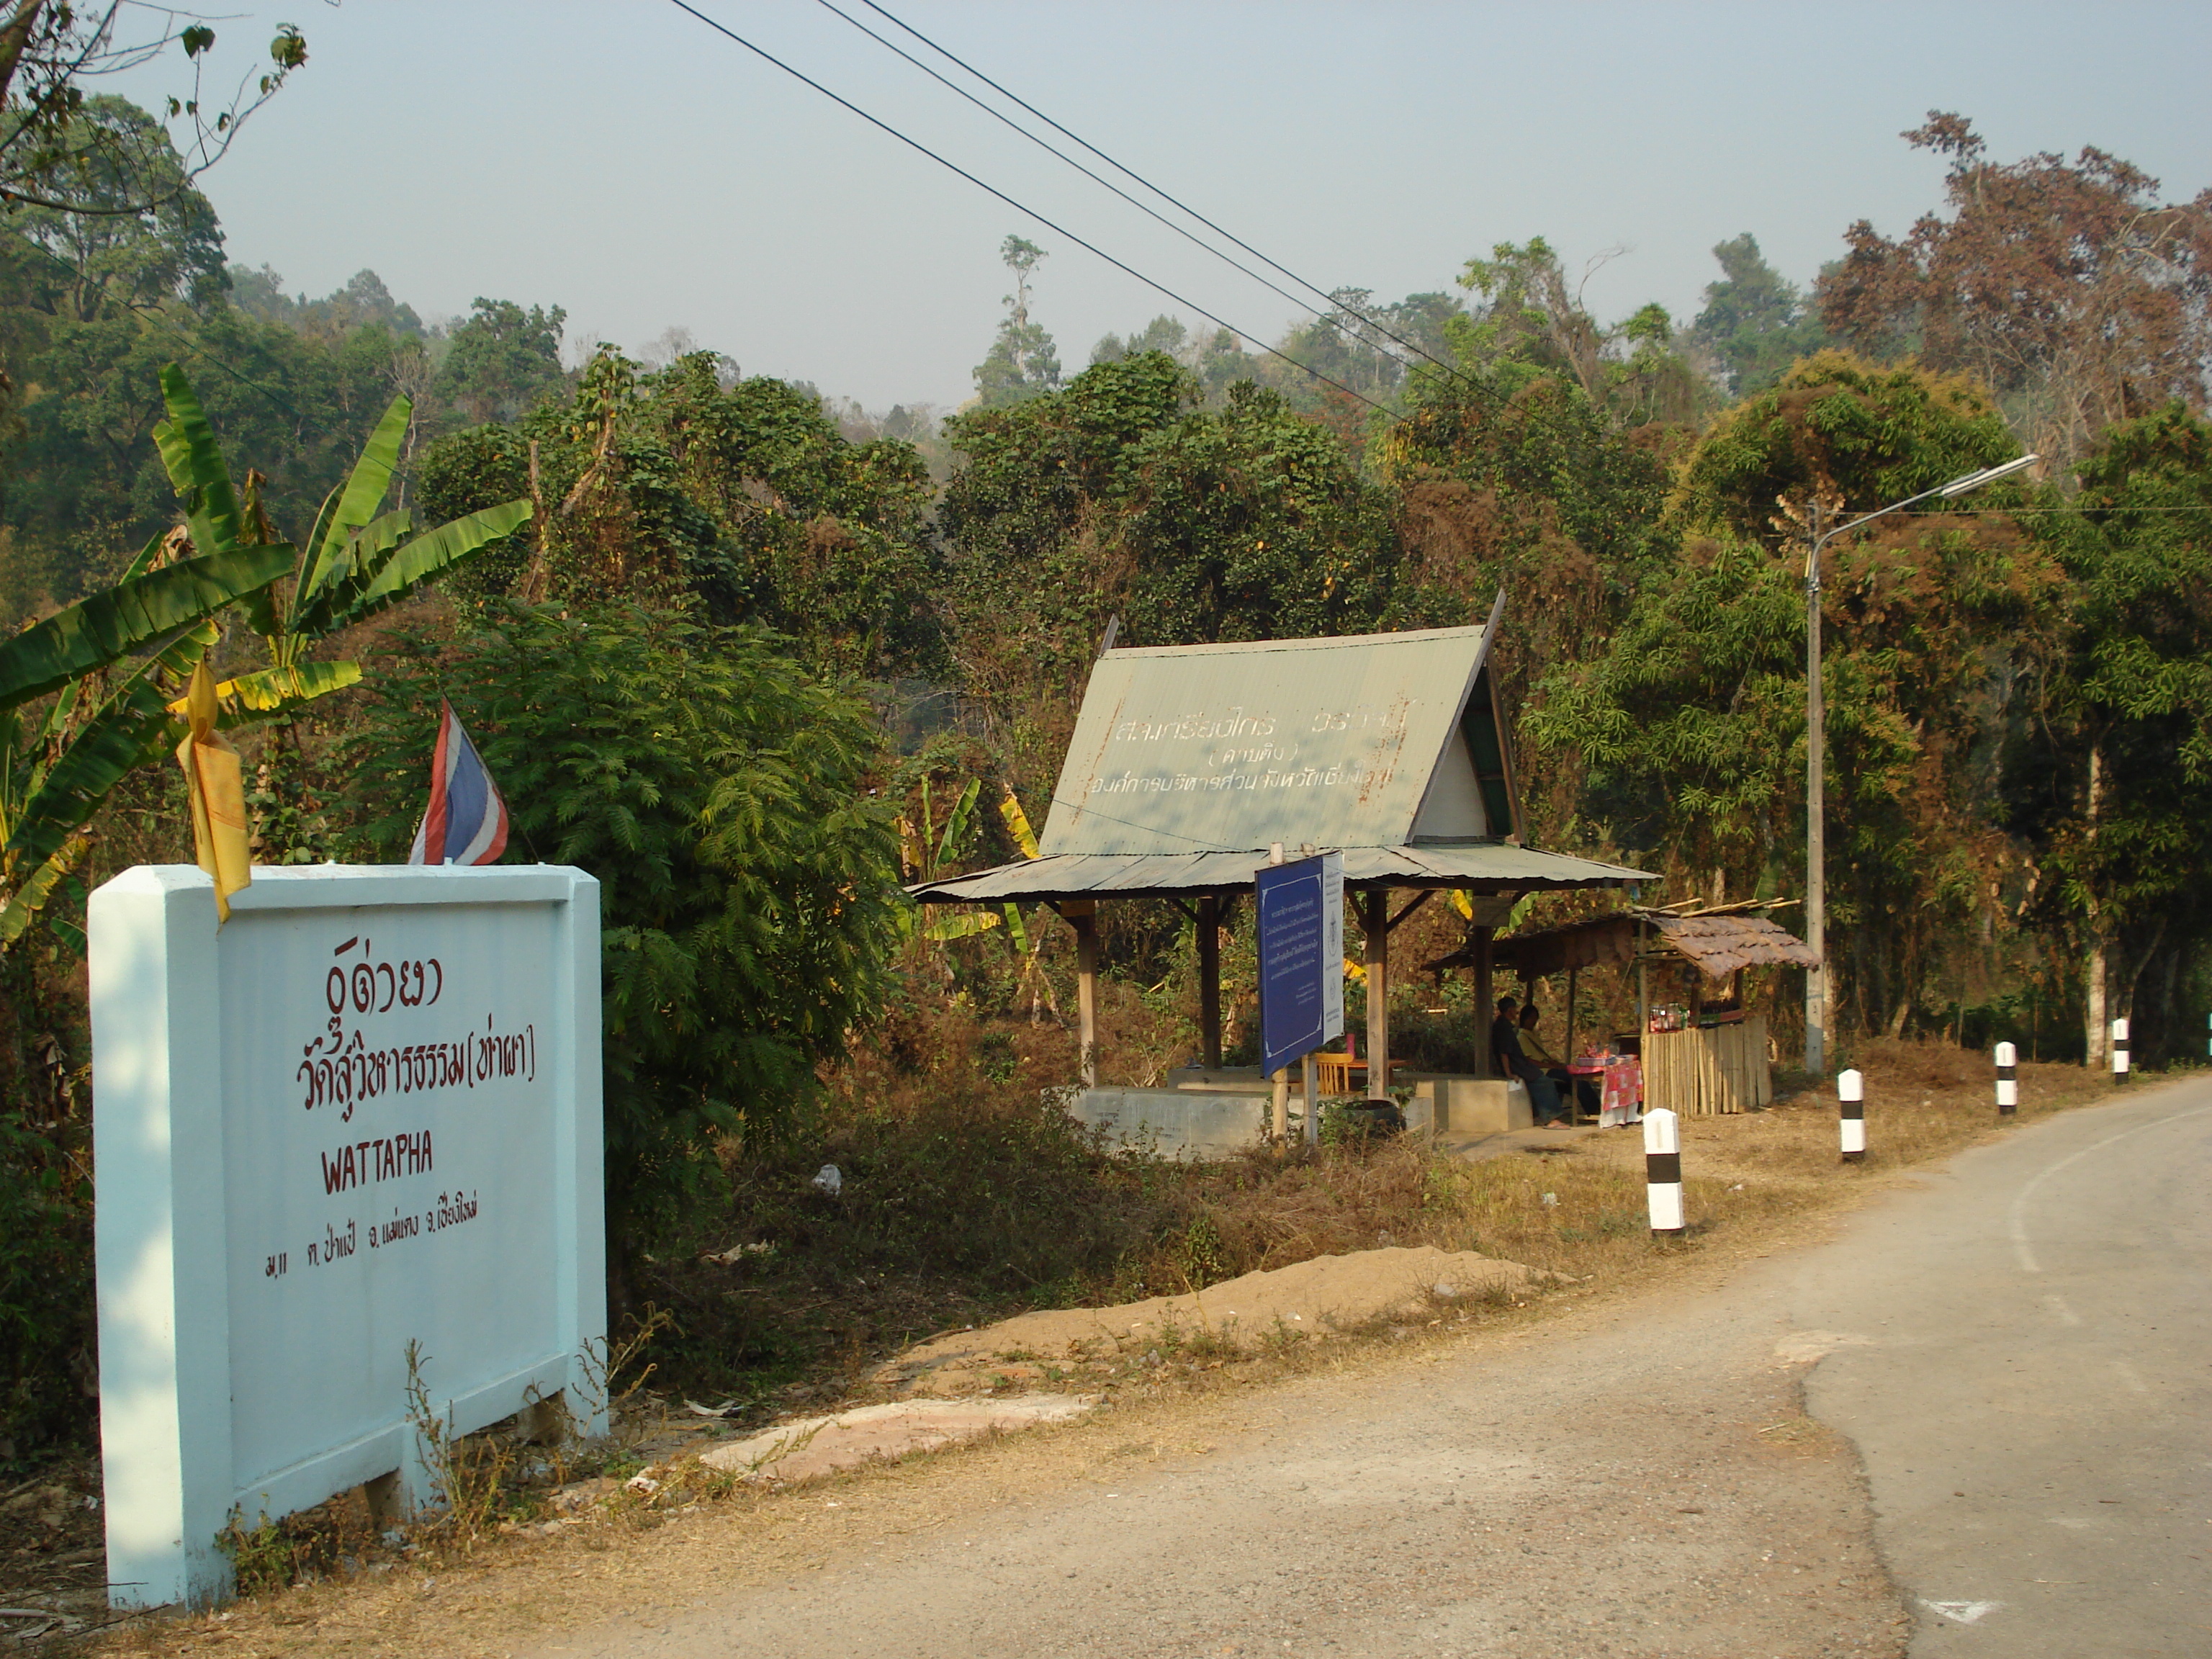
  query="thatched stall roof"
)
[
  {"x": 1719, "y": 945},
  {"x": 1717, "y": 942}
]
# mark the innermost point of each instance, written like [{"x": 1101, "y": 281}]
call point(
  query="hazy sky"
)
[{"x": 621, "y": 160}]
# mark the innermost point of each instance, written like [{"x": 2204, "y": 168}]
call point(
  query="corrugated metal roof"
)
[
  {"x": 1232, "y": 748},
  {"x": 1484, "y": 868}
]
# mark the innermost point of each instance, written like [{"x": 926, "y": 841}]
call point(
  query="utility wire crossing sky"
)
[{"x": 606, "y": 160}]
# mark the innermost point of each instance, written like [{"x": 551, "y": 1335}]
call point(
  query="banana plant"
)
[
  {"x": 99, "y": 657},
  {"x": 928, "y": 851},
  {"x": 1034, "y": 980},
  {"x": 356, "y": 561}
]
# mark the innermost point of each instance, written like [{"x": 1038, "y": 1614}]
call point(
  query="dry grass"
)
[{"x": 1576, "y": 1208}]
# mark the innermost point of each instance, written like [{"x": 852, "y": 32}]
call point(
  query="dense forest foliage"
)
[{"x": 750, "y": 641}]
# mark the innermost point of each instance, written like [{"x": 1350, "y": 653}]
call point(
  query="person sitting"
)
[
  {"x": 1584, "y": 1090},
  {"x": 1505, "y": 1050}
]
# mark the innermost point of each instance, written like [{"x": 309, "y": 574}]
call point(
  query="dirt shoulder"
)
[{"x": 1575, "y": 1371}]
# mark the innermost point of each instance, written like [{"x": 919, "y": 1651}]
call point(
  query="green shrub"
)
[{"x": 748, "y": 880}]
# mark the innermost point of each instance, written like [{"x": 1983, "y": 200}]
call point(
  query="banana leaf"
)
[
  {"x": 31, "y": 897},
  {"x": 145, "y": 559},
  {"x": 378, "y": 537},
  {"x": 956, "y": 824},
  {"x": 428, "y": 555},
  {"x": 128, "y": 726},
  {"x": 273, "y": 690},
  {"x": 130, "y": 616},
  {"x": 352, "y": 565},
  {"x": 1017, "y": 824},
  {"x": 196, "y": 467},
  {"x": 960, "y": 924},
  {"x": 353, "y": 504}
]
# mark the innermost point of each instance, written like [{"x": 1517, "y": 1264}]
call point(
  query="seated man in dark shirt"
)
[
  {"x": 1505, "y": 1047},
  {"x": 1533, "y": 1049}
]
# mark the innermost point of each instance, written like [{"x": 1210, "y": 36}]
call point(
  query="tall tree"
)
[
  {"x": 1120, "y": 494},
  {"x": 1022, "y": 361},
  {"x": 1508, "y": 477},
  {"x": 1692, "y": 723},
  {"x": 1755, "y": 322},
  {"x": 2116, "y": 793},
  {"x": 742, "y": 497},
  {"x": 1531, "y": 324},
  {"x": 2068, "y": 287},
  {"x": 501, "y": 361}
]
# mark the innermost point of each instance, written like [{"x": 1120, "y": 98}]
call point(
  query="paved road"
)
[
  {"x": 2027, "y": 1328},
  {"x": 2035, "y": 1409}
]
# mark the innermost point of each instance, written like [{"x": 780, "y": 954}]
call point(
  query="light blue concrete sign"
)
[
  {"x": 363, "y": 1113},
  {"x": 1301, "y": 942}
]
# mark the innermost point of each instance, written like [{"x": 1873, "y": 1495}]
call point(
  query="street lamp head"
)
[{"x": 1987, "y": 475}]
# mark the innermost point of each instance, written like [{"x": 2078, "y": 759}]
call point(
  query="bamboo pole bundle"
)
[{"x": 1708, "y": 1072}]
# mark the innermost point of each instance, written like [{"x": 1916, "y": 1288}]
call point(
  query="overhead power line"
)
[
  {"x": 1196, "y": 242},
  {"x": 1326, "y": 296},
  {"x": 1020, "y": 207}
]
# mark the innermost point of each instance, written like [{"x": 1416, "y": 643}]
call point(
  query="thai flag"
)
[{"x": 467, "y": 820}]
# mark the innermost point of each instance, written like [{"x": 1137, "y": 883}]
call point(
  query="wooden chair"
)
[{"x": 1334, "y": 1072}]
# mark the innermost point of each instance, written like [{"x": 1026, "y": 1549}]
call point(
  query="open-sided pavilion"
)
[{"x": 1192, "y": 766}]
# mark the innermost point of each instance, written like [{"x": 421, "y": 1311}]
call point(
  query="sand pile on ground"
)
[
  {"x": 1308, "y": 1298},
  {"x": 821, "y": 1445}
]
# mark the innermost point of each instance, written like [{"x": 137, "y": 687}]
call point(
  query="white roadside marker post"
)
[
  {"x": 1850, "y": 1108},
  {"x": 2007, "y": 1080},
  {"x": 2119, "y": 1051},
  {"x": 1662, "y": 1172}
]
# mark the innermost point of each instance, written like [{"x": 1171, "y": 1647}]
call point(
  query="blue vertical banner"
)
[{"x": 1300, "y": 907}]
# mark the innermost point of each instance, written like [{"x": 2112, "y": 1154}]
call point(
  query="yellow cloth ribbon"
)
[{"x": 217, "y": 784}]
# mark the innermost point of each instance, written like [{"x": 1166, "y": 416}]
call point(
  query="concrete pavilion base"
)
[
  {"x": 1219, "y": 1113},
  {"x": 1179, "y": 1122},
  {"x": 1468, "y": 1105}
]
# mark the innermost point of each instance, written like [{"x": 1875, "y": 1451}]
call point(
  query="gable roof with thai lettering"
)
[{"x": 1367, "y": 740}]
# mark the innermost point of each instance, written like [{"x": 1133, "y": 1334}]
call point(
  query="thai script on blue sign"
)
[{"x": 1301, "y": 938}]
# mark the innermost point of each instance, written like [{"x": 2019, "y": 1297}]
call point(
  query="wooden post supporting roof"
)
[
  {"x": 1479, "y": 943},
  {"x": 1375, "y": 921},
  {"x": 1209, "y": 981},
  {"x": 1567, "y": 1053},
  {"x": 1083, "y": 915}
]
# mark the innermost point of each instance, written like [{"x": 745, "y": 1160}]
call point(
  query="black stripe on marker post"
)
[
  {"x": 1662, "y": 1169},
  {"x": 1851, "y": 1113}
]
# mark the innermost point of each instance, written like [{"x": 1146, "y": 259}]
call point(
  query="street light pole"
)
[
  {"x": 1816, "y": 752},
  {"x": 1816, "y": 816}
]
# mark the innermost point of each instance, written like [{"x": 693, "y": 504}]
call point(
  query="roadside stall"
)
[
  {"x": 1708, "y": 1053},
  {"x": 1711, "y": 1054}
]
